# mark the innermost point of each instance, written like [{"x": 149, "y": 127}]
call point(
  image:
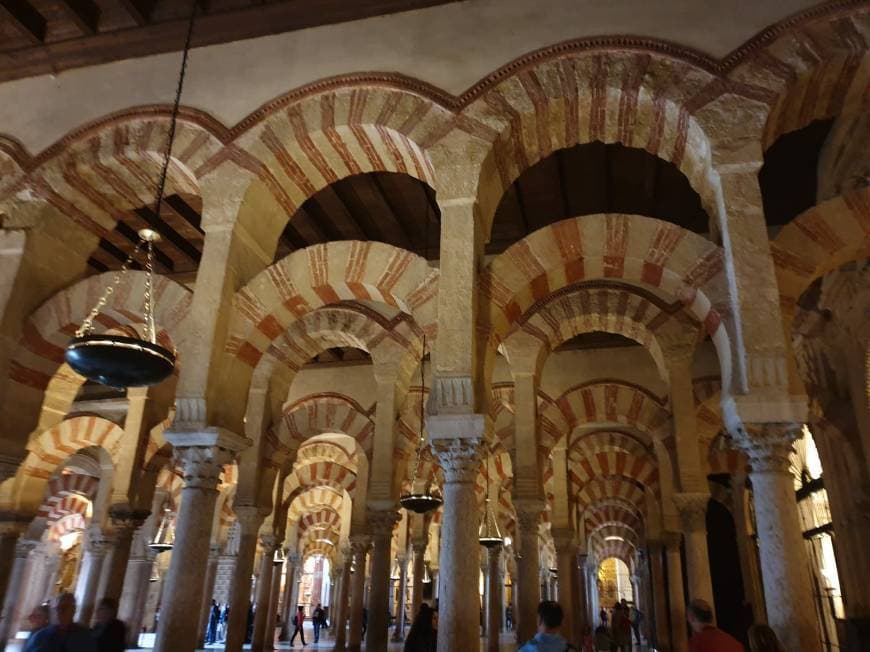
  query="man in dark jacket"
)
[
  {"x": 65, "y": 635},
  {"x": 111, "y": 633}
]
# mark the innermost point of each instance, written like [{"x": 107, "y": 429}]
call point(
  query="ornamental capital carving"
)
[
  {"x": 123, "y": 517},
  {"x": 768, "y": 445},
  {"x": 23, "y": 547},
  {"x": 360, "y": 545},
  {"x": 201, "y": 466},
  {"x": 459, "y": 458},
  {"x": 381, "y": 522},
  {"x": 418, "y": 547},
  {"x": 528, "y": 515},
  {"x": 293, "y": 558},
  {"x": 564, "y": 540},
  {"x": 249, "y": 517},
  {"x": 692, "y": 507},
  {"x": 269, "y": 542}
]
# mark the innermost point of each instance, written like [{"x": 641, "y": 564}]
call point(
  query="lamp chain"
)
[
  {"x": 88, "y": 324},
  {"x": 150, "y": 331}
]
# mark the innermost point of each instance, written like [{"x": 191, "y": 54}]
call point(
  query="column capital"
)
[
  {"x": 672, "y": 540},
  {"x": 564, "y": 539},
  {"x": 8, "y": 466},
  {"x": 123, "y": 517},
  {"x": 23, "y": 547},
  {"x": 201, "y": 466},
  {"x": 460, "y": 458},
  {"x": 360, "y": 543},
  {"x": 380, "y": 522},
  {"x": 768, "y": 445},
  {"x": 293, "y": 557},
  {"x": 418, "y": 547},
  {"x": 249, "y": 517},
  {"x": 269, "y": 542},
  {"x": 529, "y": 512},
  {"x": 692, "y": 507}
]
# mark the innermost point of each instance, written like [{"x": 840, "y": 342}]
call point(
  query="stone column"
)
[
  {"x": 9, "y": 533},
  {"x": 693, "y": 514},
  {"x": 277, "y": 569},
  {"x": 208, "y": 594},
  {"x": 528, "y": 570},
  {"x": 493, "y": 592},
  {"x": 124, "y": 521},
  {"x": 418, "y": 549},
  {"x": 132, "y": 606},
  {"x": 399, "y": 629},
  {"x": 95, "y": 550},
  {"x": 290, "y": 563},
  {"x": 182, "y": 591},
  {"x": 785, "y": 568},
  {"x": 341, "y": 607},
  {"x": 679, "y": 624},
  {"x": 359, "y": 545},
  {"x": 746, "y": 548},
  {"x": 380, "y": 524},
  {"x": 250, "y": 518},
  {"x": 264, "y": 592},
  {"x": 566, "y": 559},
  {"x": 458, "y": 616},
  {"x": 11, "y": 606},
  {"x": 582, "y": 608},
  {"x": 659, "y": 613}
]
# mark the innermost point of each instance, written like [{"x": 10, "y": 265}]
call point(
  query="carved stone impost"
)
[
  {"x": 768, "y": 445},
  {"x": 459, "y": 458},
  {"x": 528, "y": 515},
  {"x": 201, "y": 466},
  {"x": 692, "y": 507},
  {"x": 380, "y": 523}
]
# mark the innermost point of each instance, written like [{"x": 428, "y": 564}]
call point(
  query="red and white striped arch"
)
[
  {"x": 326, "y": 413},
  {"x": 615, "y": 464},
  {"x": 70, "y": 523},
  {"x": 605, "y": 441},
  {"x": 818, "y": 241},
  {"x": 316, "y": 474},
  {"x": 51, "y": 447},
  {"x": 313, "y": 499},
  {"x": 641, "y": 250},
  {"x": 579, "y": 93},
  {"x": 620, "y": 487}
]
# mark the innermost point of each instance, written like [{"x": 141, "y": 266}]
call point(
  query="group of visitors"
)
[
  {"x": 216, "y": 628},
  {"x": 63, "y": 634},
  {"x": 625, "y": 619},
  {"x": 319, "y": 619}
]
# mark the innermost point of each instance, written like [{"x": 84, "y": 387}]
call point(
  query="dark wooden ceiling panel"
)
[{"x": 47, "y": 36}]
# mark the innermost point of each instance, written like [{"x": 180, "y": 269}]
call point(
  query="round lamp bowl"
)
[
  {"x": 119, "y": 361},
  {"x": 491, "y": 542},
  {"x": 420, "y": 503},
  {"x": 160, "y": 547}
]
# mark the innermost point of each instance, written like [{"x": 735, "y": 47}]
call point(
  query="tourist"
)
[
  {"x": 214, "y": 615},
  {"x": 317, "y": 621},
  {"x": 763, "y": 639},
  {"x": 620, "y": 628},
  {"x": 602, "y": 616},
  {"x": 424, "y": 631},
  {"x": 707, "y": 637},
  {"x": 111, "y": 633},
  {"x": 66, "y": 634},
  {"x": 249, "y": 627},
  {"x": 298, "y": 625},
  {"x": 602, "y": 639},
  {"x": 365, "y": 621},
  {"x": 222, "y": 625},
  {"x": 509, "y": 617},
  {"x": 548, "y": 638},
  {"x": 635, "y": 618},
  {"x": 39, "y": 619}
]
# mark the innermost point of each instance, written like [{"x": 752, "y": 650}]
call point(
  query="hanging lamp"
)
[
  {"x": 427, "y": 577},
  {"x": 395, "y": 575},
  {"x": 425, "y": 501},
  {"x": 155, "y": 575},
  {"x": 278, "y": 557},
  {"x": 489, "y": 534},
  {"x": 165, "y": 537},
  {"x": 120, "y": 360}
]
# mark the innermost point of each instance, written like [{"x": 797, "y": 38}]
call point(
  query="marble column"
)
[
  {"x": 399, "y": 629},
  {"x": 359, "y": 545},
  {"x": 14, "y": 586},
  {"x": 658, "y": 615},
  {"x": 747, "y": 549},
  {"x": 249, "y": 518},
  {"x": 566, "y": 560},
  {"x": 341, "y": 608},
  {"x": 291, "y": 561},
  {"x": 132, "y": 606},
  {"x": 201, "y": 467},
  {"x": 418, "y": 549},
  {"x": 380, "y": 525},
  {"x": 9, "y": 533},
  {"x": 784, "y": 564},
  {"x": 528, "y": 570},
  {"x": 264, "y": 592},
  {"x": 124, "y": 523},
  {"x": 272, "y": 612},
  {"x": 693, "y": 515},
  {"x": 679, "y": 624},
  {"x": 493, "y": 593},
  {"x": 208, "y": 594},
  {"x": 96, "y": 548},
  {"x": 458, "y": 616},
  {"x": 582, "y": 608}
]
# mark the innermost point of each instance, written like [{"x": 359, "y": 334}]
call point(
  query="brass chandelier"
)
[
  {"x": 489, "y": 534},
  {"x": 120, "y": 360}
]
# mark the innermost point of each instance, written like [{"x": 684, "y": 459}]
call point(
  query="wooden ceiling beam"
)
[
  {"x": 138, "y": 10},
  {"x": 25, "y": 19},
  {"x": 84, "y": 13}
]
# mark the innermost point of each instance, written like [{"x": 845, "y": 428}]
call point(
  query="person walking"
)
[
  {"x": 424, "y": 631},
  {"x": 548, "y": 638},
  {"x": 707, "y": 637},
  {"x": 222, "y": 624},
  {"x": 763, "y": 639},
  {"x": 214, "y": 615},
  {"x": 602, "y": 639},
  {"x": 65, "y": 634},
  {"x": 365, "y": 621},
  {"x": 298, "y": 625},
  {"x": 620, "y": 628},
  {"x": 509, "y": 617},
  {"x": 317, "y": 621},
  {"x": 602, "y": 616},
  {"x": 111, "y": 633},
  {"x": 635, "y": 618}
]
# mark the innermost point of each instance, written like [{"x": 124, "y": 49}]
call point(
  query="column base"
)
[{"x": 857, "y": 635}]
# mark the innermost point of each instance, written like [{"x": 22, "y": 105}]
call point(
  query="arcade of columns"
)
[{"x": 588, "y": 454}]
